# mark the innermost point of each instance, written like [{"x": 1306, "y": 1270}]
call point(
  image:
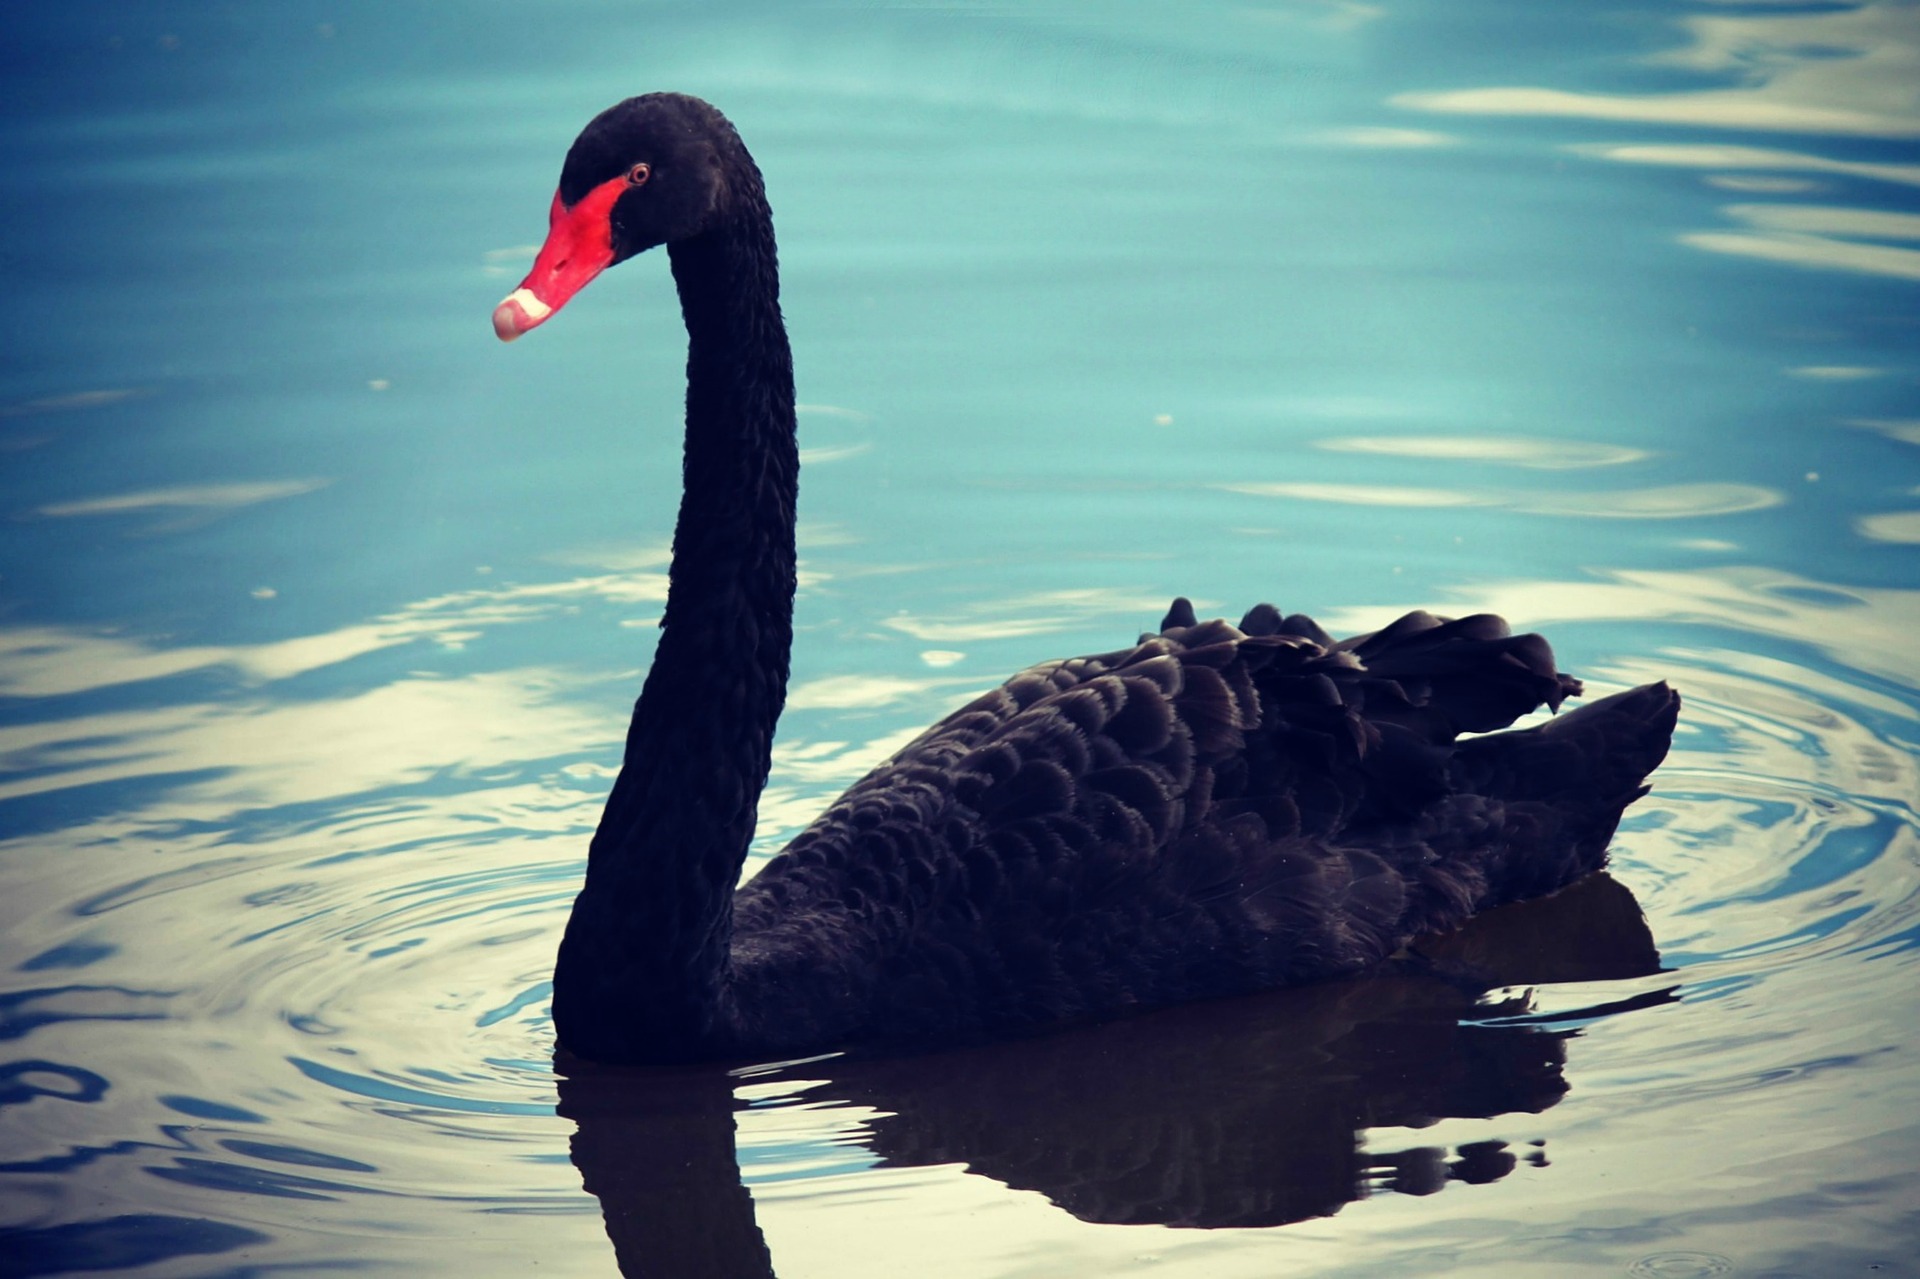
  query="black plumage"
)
[{"x": 1215, "y": 809}]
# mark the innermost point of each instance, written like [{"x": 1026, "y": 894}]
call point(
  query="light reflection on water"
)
[{"x": 321, "y": 615}]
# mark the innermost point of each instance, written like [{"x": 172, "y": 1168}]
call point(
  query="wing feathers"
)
[{"x": 1216, "y": 808}]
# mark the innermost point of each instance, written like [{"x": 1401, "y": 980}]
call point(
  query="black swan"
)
[{"x": 1213, "y": 810}]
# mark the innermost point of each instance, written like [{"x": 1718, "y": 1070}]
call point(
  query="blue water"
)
[{"x": 320, "y": 612}]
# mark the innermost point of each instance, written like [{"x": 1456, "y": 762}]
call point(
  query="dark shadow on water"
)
[
  {"x": 116, "y": 1243},
  {"x": 657, "y": 1151},
  {"x": 1242, "y": 1112}
]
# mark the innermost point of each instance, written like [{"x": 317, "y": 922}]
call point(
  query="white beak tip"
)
[{"x": 519, "y": 312}]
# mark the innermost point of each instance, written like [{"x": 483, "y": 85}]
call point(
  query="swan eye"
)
[{"x": 637, "y": 176}]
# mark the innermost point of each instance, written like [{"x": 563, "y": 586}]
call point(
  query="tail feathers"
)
[
  {"x": 1602, "y": 752},
  {"x": 1562, "y": 787}
]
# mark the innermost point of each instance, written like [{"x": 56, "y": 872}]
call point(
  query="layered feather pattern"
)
[{"x": 1215, "y": 809}]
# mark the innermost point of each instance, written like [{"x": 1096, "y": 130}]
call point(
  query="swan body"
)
[{"x": 1212, "y": 810}]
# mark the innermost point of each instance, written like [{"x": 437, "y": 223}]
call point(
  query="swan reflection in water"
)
[{"x": 1236, "y": 1112}]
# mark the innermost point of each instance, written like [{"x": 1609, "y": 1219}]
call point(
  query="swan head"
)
[{"x": 646, "y": 172}]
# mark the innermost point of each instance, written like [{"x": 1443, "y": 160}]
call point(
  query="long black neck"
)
[{"x": 643, "y": 969}]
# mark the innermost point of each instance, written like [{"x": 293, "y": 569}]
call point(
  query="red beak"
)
[{"x": 579, "y": 246}]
